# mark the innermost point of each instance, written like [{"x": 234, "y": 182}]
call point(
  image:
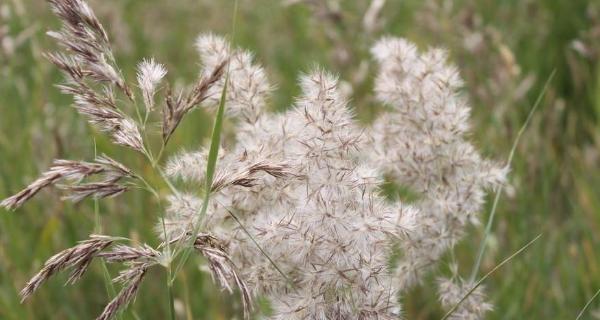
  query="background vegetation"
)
[{"x": 505, "y": 49}]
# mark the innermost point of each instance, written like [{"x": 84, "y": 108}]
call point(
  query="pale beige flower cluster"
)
[{"x": 326, "y": 228}]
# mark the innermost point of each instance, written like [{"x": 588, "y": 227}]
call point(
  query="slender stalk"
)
[
  {"x": 488, "y": 227},
  {"x": 587, "y": 305},
  {"x": 449, "y": 313},
  {"x": 212, "y": 160},
  {"x": 234, "y": 216},
  {"x": 170, "y": 292},
  {"x": 108, "y": 284},
  {"x": 159, "y": 156}
]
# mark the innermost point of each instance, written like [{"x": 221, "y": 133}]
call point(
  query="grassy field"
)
[{"x": 506, "y": 50}]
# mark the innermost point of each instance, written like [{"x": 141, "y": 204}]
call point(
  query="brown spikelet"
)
[
  {"x": 75, "y": 171},
  {"x": 94, "y": 189},
  {"x": 101, "y": 111},
  {"x": 127, "y": 294},
  {"x": 222, "y": 268},
  {"x": 177, "y": 106},
  {"x": 78, "y": 258},
  {"x": 246, "y": 176},
  {"x": 86, "y": 40},
  {"x": 20, "y": 198},
  {"x": 123, "y": 253},
  {"x": 91, "y": 72}
]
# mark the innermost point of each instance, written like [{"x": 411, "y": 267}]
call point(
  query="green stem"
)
[
  {"x": 170, "y": 290},
  {"x": 451, "y": 311},
  {"x": 587, "y": 305},
  {"x": 215, "y": 143},
  {"x": 488, "y": 227}
]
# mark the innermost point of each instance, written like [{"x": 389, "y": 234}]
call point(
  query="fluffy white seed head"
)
[
  {"x": 420, "y": 142},
  {"x": 248, "y": 87},
  {"x": 326, "y": 226},
  {"x": 325, "y": 223}
]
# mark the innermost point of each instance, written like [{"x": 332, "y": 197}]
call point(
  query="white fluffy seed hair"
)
[
  {"x": 248, "y": 87},
  {"x": 421, "y": 143},
  {"x": 327, "y": 227}
]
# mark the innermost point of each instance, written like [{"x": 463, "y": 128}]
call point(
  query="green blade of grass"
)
[
  {"x": 449, "y": 313},
  {"x": 587, "y": 305},
  {"x": 213, "y": 153},
  {"x": 488, "y": 227},
  {"x": 210, "y": 171}
]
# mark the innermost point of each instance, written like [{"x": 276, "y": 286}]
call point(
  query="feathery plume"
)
[
  {"x": 420, "y": 142},
  {"x": 248, "y": 88},
  {"x": 181, "y": 216},
  {"x": 323, "y": 222},
  {"x": 149, "y": 76},
  {"x": 184, "y": 165}
]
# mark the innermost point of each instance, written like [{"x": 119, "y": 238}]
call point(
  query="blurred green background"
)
[{"x": 505, "y": 49}]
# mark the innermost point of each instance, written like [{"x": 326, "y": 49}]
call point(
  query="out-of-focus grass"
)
[{"x": 554, "y": 181}]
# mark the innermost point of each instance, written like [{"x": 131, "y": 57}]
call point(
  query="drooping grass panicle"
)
[
  {"x": 99, "y": 106},
  {"x": 132, "y": 282},
  {"x": 76, "y": 258},
  {"x": 74, "y": 172},
  {"x": 87, "y": 42},
  {"x": 137, "y": 260},
  {"x": 91, "y": 72},
  {"x": 222, "y": 268}
]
